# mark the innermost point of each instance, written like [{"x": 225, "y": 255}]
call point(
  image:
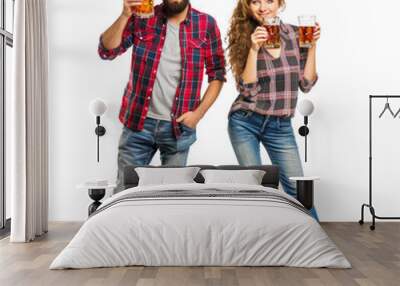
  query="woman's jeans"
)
[{"x": 247, "y": 129}]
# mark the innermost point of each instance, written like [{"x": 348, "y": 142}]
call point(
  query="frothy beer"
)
[
  {"x": 274, "y": 36},
  {"x": 307, "y": 24},
  {"x": 274, "y": 39},
  {"x": 144, "y": 10},
  {"x": 306, "y": 36}
]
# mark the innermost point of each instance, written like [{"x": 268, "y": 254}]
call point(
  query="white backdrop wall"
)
[{"x": 357, "y": 55}]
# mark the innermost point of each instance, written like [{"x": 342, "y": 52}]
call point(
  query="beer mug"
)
[
  {"x": 144, "y": 10},
  {"x": 307, "y": 26},
  {"x": 274, "y": 36}
]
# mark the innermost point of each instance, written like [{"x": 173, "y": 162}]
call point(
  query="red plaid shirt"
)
[{"x": 201, "y": 46}]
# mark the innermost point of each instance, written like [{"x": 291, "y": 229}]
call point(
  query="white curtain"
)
[{"x": 27, "y": 123}]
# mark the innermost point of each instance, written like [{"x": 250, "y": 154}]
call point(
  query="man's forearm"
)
[
  {"x": 112, "y": 37},
  {"x": 211, "y": 94}
]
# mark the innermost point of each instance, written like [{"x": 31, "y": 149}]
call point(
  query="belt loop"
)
[
  {"x": 264, "y": 124},
  {"x": 278, "y": 122}
]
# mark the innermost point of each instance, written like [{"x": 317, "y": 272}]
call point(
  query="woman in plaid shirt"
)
[{"x": 268, "y": 81}]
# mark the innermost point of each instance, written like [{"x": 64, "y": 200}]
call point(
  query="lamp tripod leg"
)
[
  {"x": 98, "y": 147},
  {"x": 305, "y": 146}
]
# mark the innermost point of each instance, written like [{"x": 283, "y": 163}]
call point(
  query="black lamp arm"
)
[
  {"x": 100, "y": 131},
  {"x": 305, "y": 120},
  {"x": 304, "y": 131}
]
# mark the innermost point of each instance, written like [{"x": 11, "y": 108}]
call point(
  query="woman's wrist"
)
[
  {"x": 255, "y": 48},
  {"x": 253, "y": 51},
  {"x": 312, "y": 52}
]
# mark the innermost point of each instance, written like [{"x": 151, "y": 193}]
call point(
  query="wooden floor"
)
[{"x": 375, "y": 257}]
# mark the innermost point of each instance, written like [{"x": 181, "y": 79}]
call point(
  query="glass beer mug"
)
[
  {"x": 274, "y": 36},
  {"x": 144, "y": 10},
  {"x": 307, "y": 25}
]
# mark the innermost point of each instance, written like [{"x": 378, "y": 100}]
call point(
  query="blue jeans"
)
[
  {"x": 247, "y": 129},
  {"x": 139, "y": 147}
]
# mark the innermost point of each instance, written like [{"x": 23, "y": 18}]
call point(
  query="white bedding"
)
[{"x": 200, "y": 231}]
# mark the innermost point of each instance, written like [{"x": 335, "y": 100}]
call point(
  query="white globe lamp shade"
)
[
  {"x": 97, "y": 107},
  {"x": 306, "y": 107}
]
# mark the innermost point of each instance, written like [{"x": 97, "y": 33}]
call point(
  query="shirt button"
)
[
  {"x": 154, "y": 71},
  {"x": 159, "y": 49},
  {"x": 148, "y": 97},
  {"x": 141, "y": 38}
]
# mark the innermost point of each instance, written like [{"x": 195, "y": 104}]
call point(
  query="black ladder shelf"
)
[{"x": 370, "y": 204}]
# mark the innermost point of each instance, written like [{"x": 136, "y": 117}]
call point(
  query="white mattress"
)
[{"x": 200, "y": 231}]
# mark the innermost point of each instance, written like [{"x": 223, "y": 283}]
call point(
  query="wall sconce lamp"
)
[
  {"x": 97, "y": 107},
  {"x": 306, "y": 108}
]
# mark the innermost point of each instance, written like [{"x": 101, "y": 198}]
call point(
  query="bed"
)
[{"x": 201, "y": 224}]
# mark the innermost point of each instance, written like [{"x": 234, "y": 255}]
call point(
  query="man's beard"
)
[{"x": 172, "y": 9}]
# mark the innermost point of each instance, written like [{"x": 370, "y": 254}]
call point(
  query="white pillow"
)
[
  {"x": 166, "y": 176},
  {"x": 246, "y": 177}
]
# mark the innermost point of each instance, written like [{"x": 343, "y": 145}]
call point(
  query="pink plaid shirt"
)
[{"x": 275, "y": 93}]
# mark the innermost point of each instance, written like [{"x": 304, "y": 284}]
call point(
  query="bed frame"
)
[{"x": 271, "y": 178}]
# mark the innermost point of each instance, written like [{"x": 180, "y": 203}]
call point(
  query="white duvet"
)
[{"x": 200, "y": 231}]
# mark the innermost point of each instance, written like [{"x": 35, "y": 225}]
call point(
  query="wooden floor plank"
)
[{"x": 375, "y": 257}]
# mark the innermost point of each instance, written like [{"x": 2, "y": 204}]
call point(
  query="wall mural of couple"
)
[{"x": 172, "y": 43}]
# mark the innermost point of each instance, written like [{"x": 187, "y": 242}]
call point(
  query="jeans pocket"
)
[
  {"x": 285, "y": 122},
  {"x": 284, "y": 125},
  {"x": 124, "y": 136},
  {"x": 186, "y": 128},
  {"x": 186, "y": 140},
  {"x": 242, "y": 114}
]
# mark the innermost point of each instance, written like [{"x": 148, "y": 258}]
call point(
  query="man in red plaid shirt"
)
[{"x": 161, "y": 105}]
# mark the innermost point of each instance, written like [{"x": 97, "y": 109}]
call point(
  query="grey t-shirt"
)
[{"x": 168, "y": 76}]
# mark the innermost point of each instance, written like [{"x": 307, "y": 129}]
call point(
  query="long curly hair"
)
[{"x": 242, "y": 25}]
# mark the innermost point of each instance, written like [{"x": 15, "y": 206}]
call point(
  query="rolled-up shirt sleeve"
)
[
  {"x": 248, "y": 89},
  {"x": 126, "y": 42},
  {"x": 305, "y": 84},
  {"x": 215, "y": 58}
]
